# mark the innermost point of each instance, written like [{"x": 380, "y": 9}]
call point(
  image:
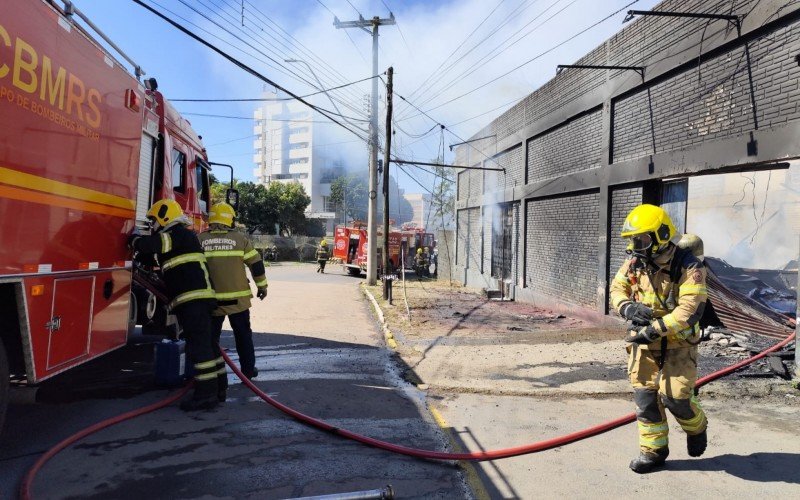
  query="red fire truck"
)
[
  {"x": 85, "y": 149},
  {"x": 350, "y": 246}
]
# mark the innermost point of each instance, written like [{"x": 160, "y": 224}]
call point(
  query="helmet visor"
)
[{"x": 640, "y": 242}]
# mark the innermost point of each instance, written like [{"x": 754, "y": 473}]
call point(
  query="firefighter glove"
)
[
  {"x": 261, "y": 293},
  {"x": 135, "y": 235},
  {"x": 644, "y": 335},
  {"x": 638, "y": 313}
]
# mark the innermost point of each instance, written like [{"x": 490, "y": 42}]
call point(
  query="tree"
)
[
  {"x": 218, "y": 189},
  {"x": 443, "y": 198},
  {"x": 290, "y": 201},
  {"x": 278, "y": 207},
  {"x": 350, "y": 194}
]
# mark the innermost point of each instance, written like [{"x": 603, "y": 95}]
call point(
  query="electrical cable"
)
[
  {"x": 257, "y": 32},
  {"x": 492, "y": 54},
  {"x": 345, "y": 32},
  {"x": 231, "y": 117},
  {"x": 259, "y": 99},
  {"x": 286, "y": 68},
  {"x": 532, "y": 59},
  {"x": 243, "y": 66}
]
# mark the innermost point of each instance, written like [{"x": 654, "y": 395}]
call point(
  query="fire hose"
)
[{"x": 26, "y": 486}]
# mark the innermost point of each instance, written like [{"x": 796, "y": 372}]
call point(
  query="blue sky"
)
[{"x": 419, "y": 48}]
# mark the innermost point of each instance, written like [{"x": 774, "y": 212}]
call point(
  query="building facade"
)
[
  {"x": 699, "y": 96},
  {"x": 286, "y": 150}
]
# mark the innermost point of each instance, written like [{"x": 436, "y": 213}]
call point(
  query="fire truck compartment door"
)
[
  {"x": 70, "y": 322},
  {"x": 145, "y": 182}
]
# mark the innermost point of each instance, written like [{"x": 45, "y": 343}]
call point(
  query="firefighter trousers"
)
[
  {"x": 670, "y": 387},
  {"x": 204, "y": 354},
  {"x": 243, "y": 335}
]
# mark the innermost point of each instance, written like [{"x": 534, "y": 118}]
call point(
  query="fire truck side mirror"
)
[{"x": 232, "y": 199}]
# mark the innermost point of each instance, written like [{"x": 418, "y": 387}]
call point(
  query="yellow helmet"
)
[
  {"x": 164, "y": 212},
  {"x": 419, "y": 250},
  {"x": 221, "y": 213},
  {"x": 649, "y": 229},
  {"x": 323, "y": 243}
]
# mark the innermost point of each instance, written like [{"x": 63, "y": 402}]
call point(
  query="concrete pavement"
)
[
  {"x": 319, "y": 351},
  {"x": 498, "y": 389}
]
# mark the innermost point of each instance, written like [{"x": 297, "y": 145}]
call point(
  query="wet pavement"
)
[{"x": 318, "y": 351}]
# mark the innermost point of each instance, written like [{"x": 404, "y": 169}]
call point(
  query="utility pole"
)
[
  {"x": 372, "y": 223},
  {"x": 387, "y": 284}
]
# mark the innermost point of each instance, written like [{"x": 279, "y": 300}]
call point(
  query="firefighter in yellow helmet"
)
[
  {"x": 421, "y": 266},
  {"x": 661, "y": 289},
  {"x": 176, "y": 250},
  {"x": 322, "y": 255},
  {"x": 228, "y": 252}
]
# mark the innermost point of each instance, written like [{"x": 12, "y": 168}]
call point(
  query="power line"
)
[
  {"x": 275, "y": 99},
  {"x": 230, "y": 117},
  {"x": 492, "y": 54},
  {"x": 241, "y": 65},
  {"x": 271, "y": 48},
  {"x": 541, "y": 54},
  {"x": 325, "y": 67},
  {"x": 346, "y": 33}
]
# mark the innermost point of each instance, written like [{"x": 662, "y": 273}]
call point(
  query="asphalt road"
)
[{"x": 318, "y": 350}]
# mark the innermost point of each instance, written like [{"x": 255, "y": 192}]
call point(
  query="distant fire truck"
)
[
  {"x": 84, "y": 151},
  {"x": 350, "y": 246}
]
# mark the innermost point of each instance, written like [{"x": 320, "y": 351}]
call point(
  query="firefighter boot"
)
[
  {"x": 204, "y": 398},
  {"x": 222, "y": 387},
  {"x": 696, "y": 445},
  {"x": 649, "y": 460}
]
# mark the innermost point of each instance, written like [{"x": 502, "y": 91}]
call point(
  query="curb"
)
[{"x": 387, "y": 334}]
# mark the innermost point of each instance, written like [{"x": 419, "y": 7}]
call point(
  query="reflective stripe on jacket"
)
[
  {"x": 227, "y": 252},
  {"x": 677, "y": 307},
  {"x": 182, "y": 263}
]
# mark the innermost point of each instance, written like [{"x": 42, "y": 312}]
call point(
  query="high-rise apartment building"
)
[{"x": 286, "y": 151}]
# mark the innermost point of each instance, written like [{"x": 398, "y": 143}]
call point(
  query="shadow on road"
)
[{"x": 765, "y": 467}]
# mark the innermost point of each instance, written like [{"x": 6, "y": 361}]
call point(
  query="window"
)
[
  {"x": 202, "y": 186},
  {"x": 178, "y": 171},
  {"x": 327, "y": 204}
]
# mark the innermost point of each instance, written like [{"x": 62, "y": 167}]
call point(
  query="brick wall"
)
[
  {"x": 623, "y": 200},
  {"x": 572, "y": 147},
  {"x": 712, "y": 101},
  {"x": 475, "y": 226},
  {"x": 562, "y": 247},
  {"x": 462, "y": 228},
  {"x": 510, "y": 160},
  {"x": 463, "y": 184},
  {"x": 488, "y": 213},
  {"x": 475, "y": 181}
]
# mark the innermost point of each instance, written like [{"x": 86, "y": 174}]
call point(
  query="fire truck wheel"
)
[
  {"x": 133, "y": 312},
  {"x": 354, "y": 271},
  {"x": 4, "y": 388}
]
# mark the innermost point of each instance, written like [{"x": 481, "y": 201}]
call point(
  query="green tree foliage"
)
[
  {"x": 278, "y": 207},
  {"x": 443, "y": 197},
  {"x": 350, "y": 193},
  {"x": 218, "y": 189}
]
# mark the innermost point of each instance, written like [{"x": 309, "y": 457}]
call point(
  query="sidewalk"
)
[{"x": 506, "y": 374}]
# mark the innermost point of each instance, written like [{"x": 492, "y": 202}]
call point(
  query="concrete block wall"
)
[
  {"x": 591, "y": 141},
  {"x": 562, "y": 247},
  {"x": 488, "y": 214},
  {"x": 623, "y": 200},
  {"x": 712, "y": 101},
  {"x": 495, "y": 181},
  {"x": 572, "y": 147}
]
